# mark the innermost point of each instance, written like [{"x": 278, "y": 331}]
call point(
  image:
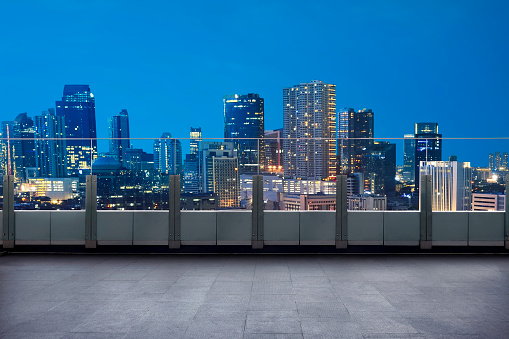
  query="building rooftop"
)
[{"x": 254, "y": 296}]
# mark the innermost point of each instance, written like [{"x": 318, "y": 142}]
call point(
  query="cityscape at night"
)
[{"x": 254, "y": 169}]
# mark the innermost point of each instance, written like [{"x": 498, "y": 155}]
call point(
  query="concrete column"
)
[
  {"x": 8, "y": 232},
  {"x": 425, "y": 194},
  {"x": 257, "y": 220},
  {"x": 91, "y": 212},
  {"x": 506, "y": 223},
  {"x": 174, "y": 209},
  {"x": 341, "y": 212}
]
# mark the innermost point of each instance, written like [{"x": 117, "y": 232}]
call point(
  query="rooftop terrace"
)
[{"x": 254, "y": 296}]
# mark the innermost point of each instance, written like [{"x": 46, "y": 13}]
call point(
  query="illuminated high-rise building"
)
[
  {"x": 19, "y": 149},
  {"x": 409, "y": 158},
  {"x": 195, "y": 138},
  {"x": 428, "y": 145},
  {"x": 220, "y": 174},
  {"x": 451, "y": 184},
  {"x": 309, "y": 130},
  {"x": 273, "y": 161},
  {"x": 50, "y": 144},
  {"x": 168, "y": 155},
  {"x": 343, "y": 122},
  {"x": 78, "y": 109},
  {"x": 118, "y": 131},
  {"x": 244, "y": 127}
]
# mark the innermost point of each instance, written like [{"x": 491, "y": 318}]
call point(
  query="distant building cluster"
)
[{"x": 50, "y": 154}]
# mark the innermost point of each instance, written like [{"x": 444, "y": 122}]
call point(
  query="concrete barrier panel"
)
[
  {"x": 114, "y": 227},
  {"x": 151, "y": 227},
  {"x": 449, "y": 229},
  {"x": 317, "y": 227},
  {"x": 68, "y": 227},
  {"x": 486, "y": 228},
  {"x": 365, "y": 228},
  {"x": 401, "y": 228},
  {"x": 198, "y": 228},
  {"x": 281, "y": 228},
  {"x": 32, "y": 227},
  {"x": 234, "y": 227}
]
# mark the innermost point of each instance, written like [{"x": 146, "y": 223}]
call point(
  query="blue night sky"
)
[{"x": 169, "y": 64}]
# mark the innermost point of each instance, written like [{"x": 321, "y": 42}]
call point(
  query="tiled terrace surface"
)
[{"x": 254, "y": 296}]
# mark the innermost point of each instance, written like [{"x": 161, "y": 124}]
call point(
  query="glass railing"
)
[{"x": 217, "y": 173}]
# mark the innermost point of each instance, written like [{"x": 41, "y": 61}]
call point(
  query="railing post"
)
[
  {"x": 8, "y": 232},
  {"x": 425, "y": 194},
  {"x": 257, "y": 213},
  {"x": 91, "y": 212},
  {"x": 341, "y": 212},
  {"x": 174, "y": 209},
  {"x": 506, "y": 222}
]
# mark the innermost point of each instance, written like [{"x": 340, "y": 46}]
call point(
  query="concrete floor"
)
[{"x": 254, "y": 296}]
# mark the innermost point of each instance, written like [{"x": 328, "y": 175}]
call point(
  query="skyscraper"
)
[
  {"x": 409, "y": 158},
  {"x": 195, "y": 138},
  {"x": 343, "y": 122},
  {"x": 428, "y": 145},
  {"x": 50, "y": 144},
  {"x": 357, "y": 130},
  {"x": 220, "y": 175},
  {"x": 273, "y": 148},
  {"x": 19, "y": 149},
  {"x": 244, "y": 118},
  {"x": 26, "y": 133},
  {"x": 11, "y": 146},
  {"x": 380, "y": 168},
  {"x": 309, "y": 130},
  {"x": 118, "y": 131},
  {"x": 451, "y": 184},
  {"x": 168, "y": 155},
  {"x": 78, "y": 109}
]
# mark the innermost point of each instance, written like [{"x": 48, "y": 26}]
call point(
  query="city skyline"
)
[{"x": 409, "y": 62}]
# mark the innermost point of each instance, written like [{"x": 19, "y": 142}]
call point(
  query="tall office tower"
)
[
  {"x": 118, "y": 130},
  {"x": 168, "y": 155},
  {"x": 491, "y": 163},
  {"x": 78, "y": 109},
  {"x": 220, "y": 174},
  {"x": 50, "y": 144},
  {"x": 244, "y": 118},
  {"x": 428, "y": 145},
  {"x": 361, "y": 130},
  {"x": 19, "y": 148},
  {"x": 409, "y": 158},
  {"x": 345, "y": 115},
  {"x": 504, "y": 161},
  {"x": 497, "y": 161},
  {"x": 380, "y": 168},
  {"x": 451, "y": 184},
  {"x": 191, "y": 179},
  {"x": 195, "y": 138},
  {"x": 273, "y": 161},
  {"x": 309, "y": 130},
  {"x": 11, "y": 146},
  {"x": 26, "y": 133}
]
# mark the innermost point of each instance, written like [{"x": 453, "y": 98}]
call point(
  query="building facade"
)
[
  {"x": 409, "y": 159},
  {"x": 428, "y": 146},
  {"x": 118, "y": 130},
  {"x": 220, "y": 172},
  {"x": 78, "y": 109},
  {"x": 451, "y": 184},
  {"x": 50, "y": 144},
  {"x": 309, "y": 130},
  {"x": 168, "y": 155},
  {"x": 244, "y": 127}
]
